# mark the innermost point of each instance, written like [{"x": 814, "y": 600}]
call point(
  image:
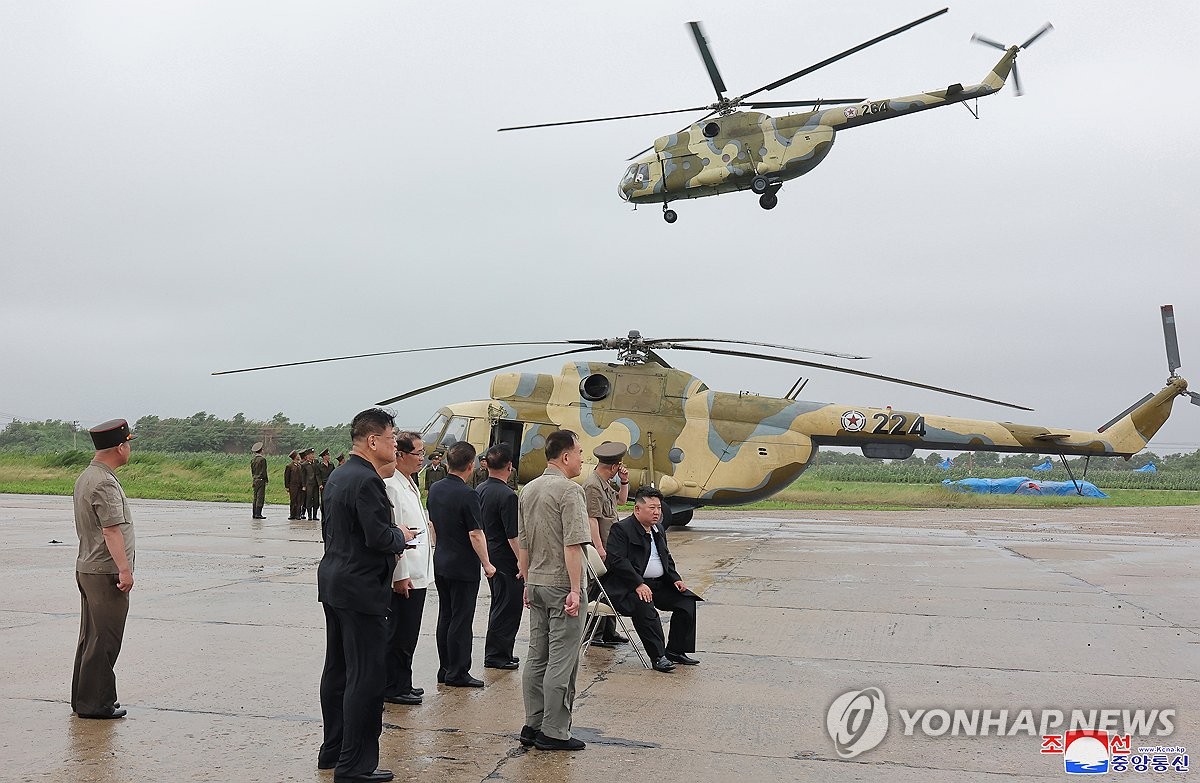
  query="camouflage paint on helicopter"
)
[
  {"x": 725, "y": 155},
  {"x": 705, "y": 447}
]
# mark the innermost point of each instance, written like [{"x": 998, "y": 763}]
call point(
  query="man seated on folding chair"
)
[{"x": 641, "y": 576}]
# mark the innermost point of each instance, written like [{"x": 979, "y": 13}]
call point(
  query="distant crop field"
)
[{"x": 901, "y": 485}]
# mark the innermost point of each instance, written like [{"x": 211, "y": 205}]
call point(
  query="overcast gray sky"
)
[{"x": 190, "y": 187}]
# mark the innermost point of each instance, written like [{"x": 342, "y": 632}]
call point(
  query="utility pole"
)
[{"x": 74, "y": 435}]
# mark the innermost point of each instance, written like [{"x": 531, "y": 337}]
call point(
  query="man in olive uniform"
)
[
  {"x": 103, "y": 572},
  {"x": 312, "y": 483},
  {"x": 258, "y": 470},
  {"x": 602, "y": 501},
  {"x": 324, "y": 468},
  {"x": 481, "y": 473},
  {"x": 435, "y": 472},
  {"x": 293, "y": 481}
]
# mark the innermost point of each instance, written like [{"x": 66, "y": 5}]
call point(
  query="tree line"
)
[{"x": 200, "y": 432}]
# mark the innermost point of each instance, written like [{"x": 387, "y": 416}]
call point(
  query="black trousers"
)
[
  {"x": 649, "y": 628},
  {"x": 504, "y": 618},
  {"x": 404, "y": 628},
  {"x": 295, "y": 504},
  {"x": 260, "y": 497},
  {"x": 352, "y": 690},
  {"x": 312, "y": 501},
  {"x": 456, "y": 612},
  {"x": 102, "y": 613}
]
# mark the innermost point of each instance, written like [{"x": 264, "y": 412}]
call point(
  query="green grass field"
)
[{"x": 226, "y": 478}]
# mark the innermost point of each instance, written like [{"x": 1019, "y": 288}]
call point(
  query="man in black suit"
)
[
  {"x": 498, "y": 505},
  {"x": 354, "y": 587},
  {"x": 461, "y": 548},
  {"x": 641, "y": 576}
]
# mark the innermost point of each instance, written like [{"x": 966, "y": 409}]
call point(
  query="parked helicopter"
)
[
  {"x": 709, "y": 448},
  {"x": 742, "y": 150}
]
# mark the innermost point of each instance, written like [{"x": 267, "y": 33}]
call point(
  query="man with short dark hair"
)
[
  {"x": 552, "y": 529},
  {"x": 641, "y": 576},
  {"x": 103, "y": 572},
  {"x": 354, "y": 588},
  {"x": 498, "y": 507},
  {"x": 461, "y": 549}
]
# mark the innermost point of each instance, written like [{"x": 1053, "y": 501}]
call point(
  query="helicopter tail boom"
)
[{"x": 1133, "y": 429}]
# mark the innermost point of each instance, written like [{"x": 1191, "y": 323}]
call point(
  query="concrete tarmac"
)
[{"x": 1095, "y": 608}]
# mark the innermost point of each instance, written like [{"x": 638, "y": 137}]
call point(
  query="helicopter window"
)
[
  {"x": 675, "y": 455},
  {"x": 457, "y": 431},
  {"x": 595, "y": 387},
  {"x": 710, "y": 130},
  {"x": 433, "y": 430},
  {"x": 636, "y": 451}
]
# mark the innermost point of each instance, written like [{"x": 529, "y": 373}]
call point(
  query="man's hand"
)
[
  {"x": 489, "y": 570},
  {"x": 571, "y": 605},
  {"x": 525, "y": 596},
  {"x": 680, "y": 586},
  {"x": 645, "y": 593},
  {"x": 124, "y": 581},
  {"x": 409, "y": 533},
  {"x": 601, "y": 551},
  {"x": 623, "y": 473},
  {"x": 402, "y": 586}
]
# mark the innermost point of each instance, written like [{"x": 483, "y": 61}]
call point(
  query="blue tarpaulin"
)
[
  {"x": 1022, "y": 485},
  {"x": 1148, "y": 468},
  {"x": 945, "y": 464},
  {"x": 1047, "y": 465}
]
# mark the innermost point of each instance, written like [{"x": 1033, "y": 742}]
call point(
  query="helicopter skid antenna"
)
[{"x": 974, "y": 111}]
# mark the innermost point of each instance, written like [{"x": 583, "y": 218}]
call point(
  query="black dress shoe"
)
[
  {"x": 664, "y": 665},
  {"x": 616, "y": 638},
  {"x": 258, "y": 517},
  {"x": 469, "y": 682},
  {"x": 528, "y": 736},
  {"x": 682, "y": 658},
  {"x": 117, "y": 712},
  {"x": 542, "y": 742},
  {"x": 501, "y": 665},
  {"x": 417, "y": 691},
  {"x": 513, "y": 658},
  {"x": 403, "y": 698},
  {"x": 378, "y": 776},
  {"x": 603, "y": 643}
]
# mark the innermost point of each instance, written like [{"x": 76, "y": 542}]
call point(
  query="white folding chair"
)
[{"x": 602, "y": 607}]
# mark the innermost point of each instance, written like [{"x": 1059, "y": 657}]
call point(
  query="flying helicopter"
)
[
  {"x": 749, "y": 150},
  {"x": 702, "y": 447}
]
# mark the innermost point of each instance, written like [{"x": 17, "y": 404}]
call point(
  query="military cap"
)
[
  {"x": 341, "y": 457},
  {"x": 110, "y": 433},
  {"x": 294, "y": 454},
  {"x": 610, "y": 453},
  {"x": 257, "y": 447},
  {"x": 306, "y": 452},
  {"x": 324, "y": 453}
]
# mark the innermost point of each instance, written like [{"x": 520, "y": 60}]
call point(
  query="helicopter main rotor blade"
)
[
  {"x": 1047, "y": 27},
  {"x": 1171, "y": 337},
  {"x": 844, "y": 54},
  {"x": 600, "y": 119},
  {"x": 681, "y": 130},
  {"x": 977, "y": 38},
  {"x": 458, "y": 378},
  {"x": 702, "y": 44},
  {"x": 404, "y": 350},
  {"x": 785, "y": 104},
  {"x": 860, "y": 373},
  {"x": 749, "y": 342}
]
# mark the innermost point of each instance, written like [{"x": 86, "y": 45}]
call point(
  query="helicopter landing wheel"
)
[
  {"x": 669, "y": 215},
  {"x": 759, "y": 184},
  {"x": 768, "y": 200}
]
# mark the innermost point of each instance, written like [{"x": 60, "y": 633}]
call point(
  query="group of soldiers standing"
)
[{"x": 304, "y": 478}]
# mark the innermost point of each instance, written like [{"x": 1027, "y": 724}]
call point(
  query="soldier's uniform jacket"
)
[
  {"x": 323, "y": 472},
  {"x": 434, "y": 474},
  {"x": 99, "y": 503},
  {"x": 258, "y": 469},
  {"x": 293, "y": 476},
  {"x": 308, "y": 470},
  {"x": 601, "y": 497}
]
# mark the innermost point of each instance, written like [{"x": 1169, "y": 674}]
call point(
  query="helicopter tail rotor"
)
[
  {"x": 1016, "y": 74},
  {"x": 1171, "y": 338}
]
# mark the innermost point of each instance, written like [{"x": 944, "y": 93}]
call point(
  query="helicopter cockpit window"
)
[
  {"x": 457, "y": 431},
  {"x": 433, "y": 430}
]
